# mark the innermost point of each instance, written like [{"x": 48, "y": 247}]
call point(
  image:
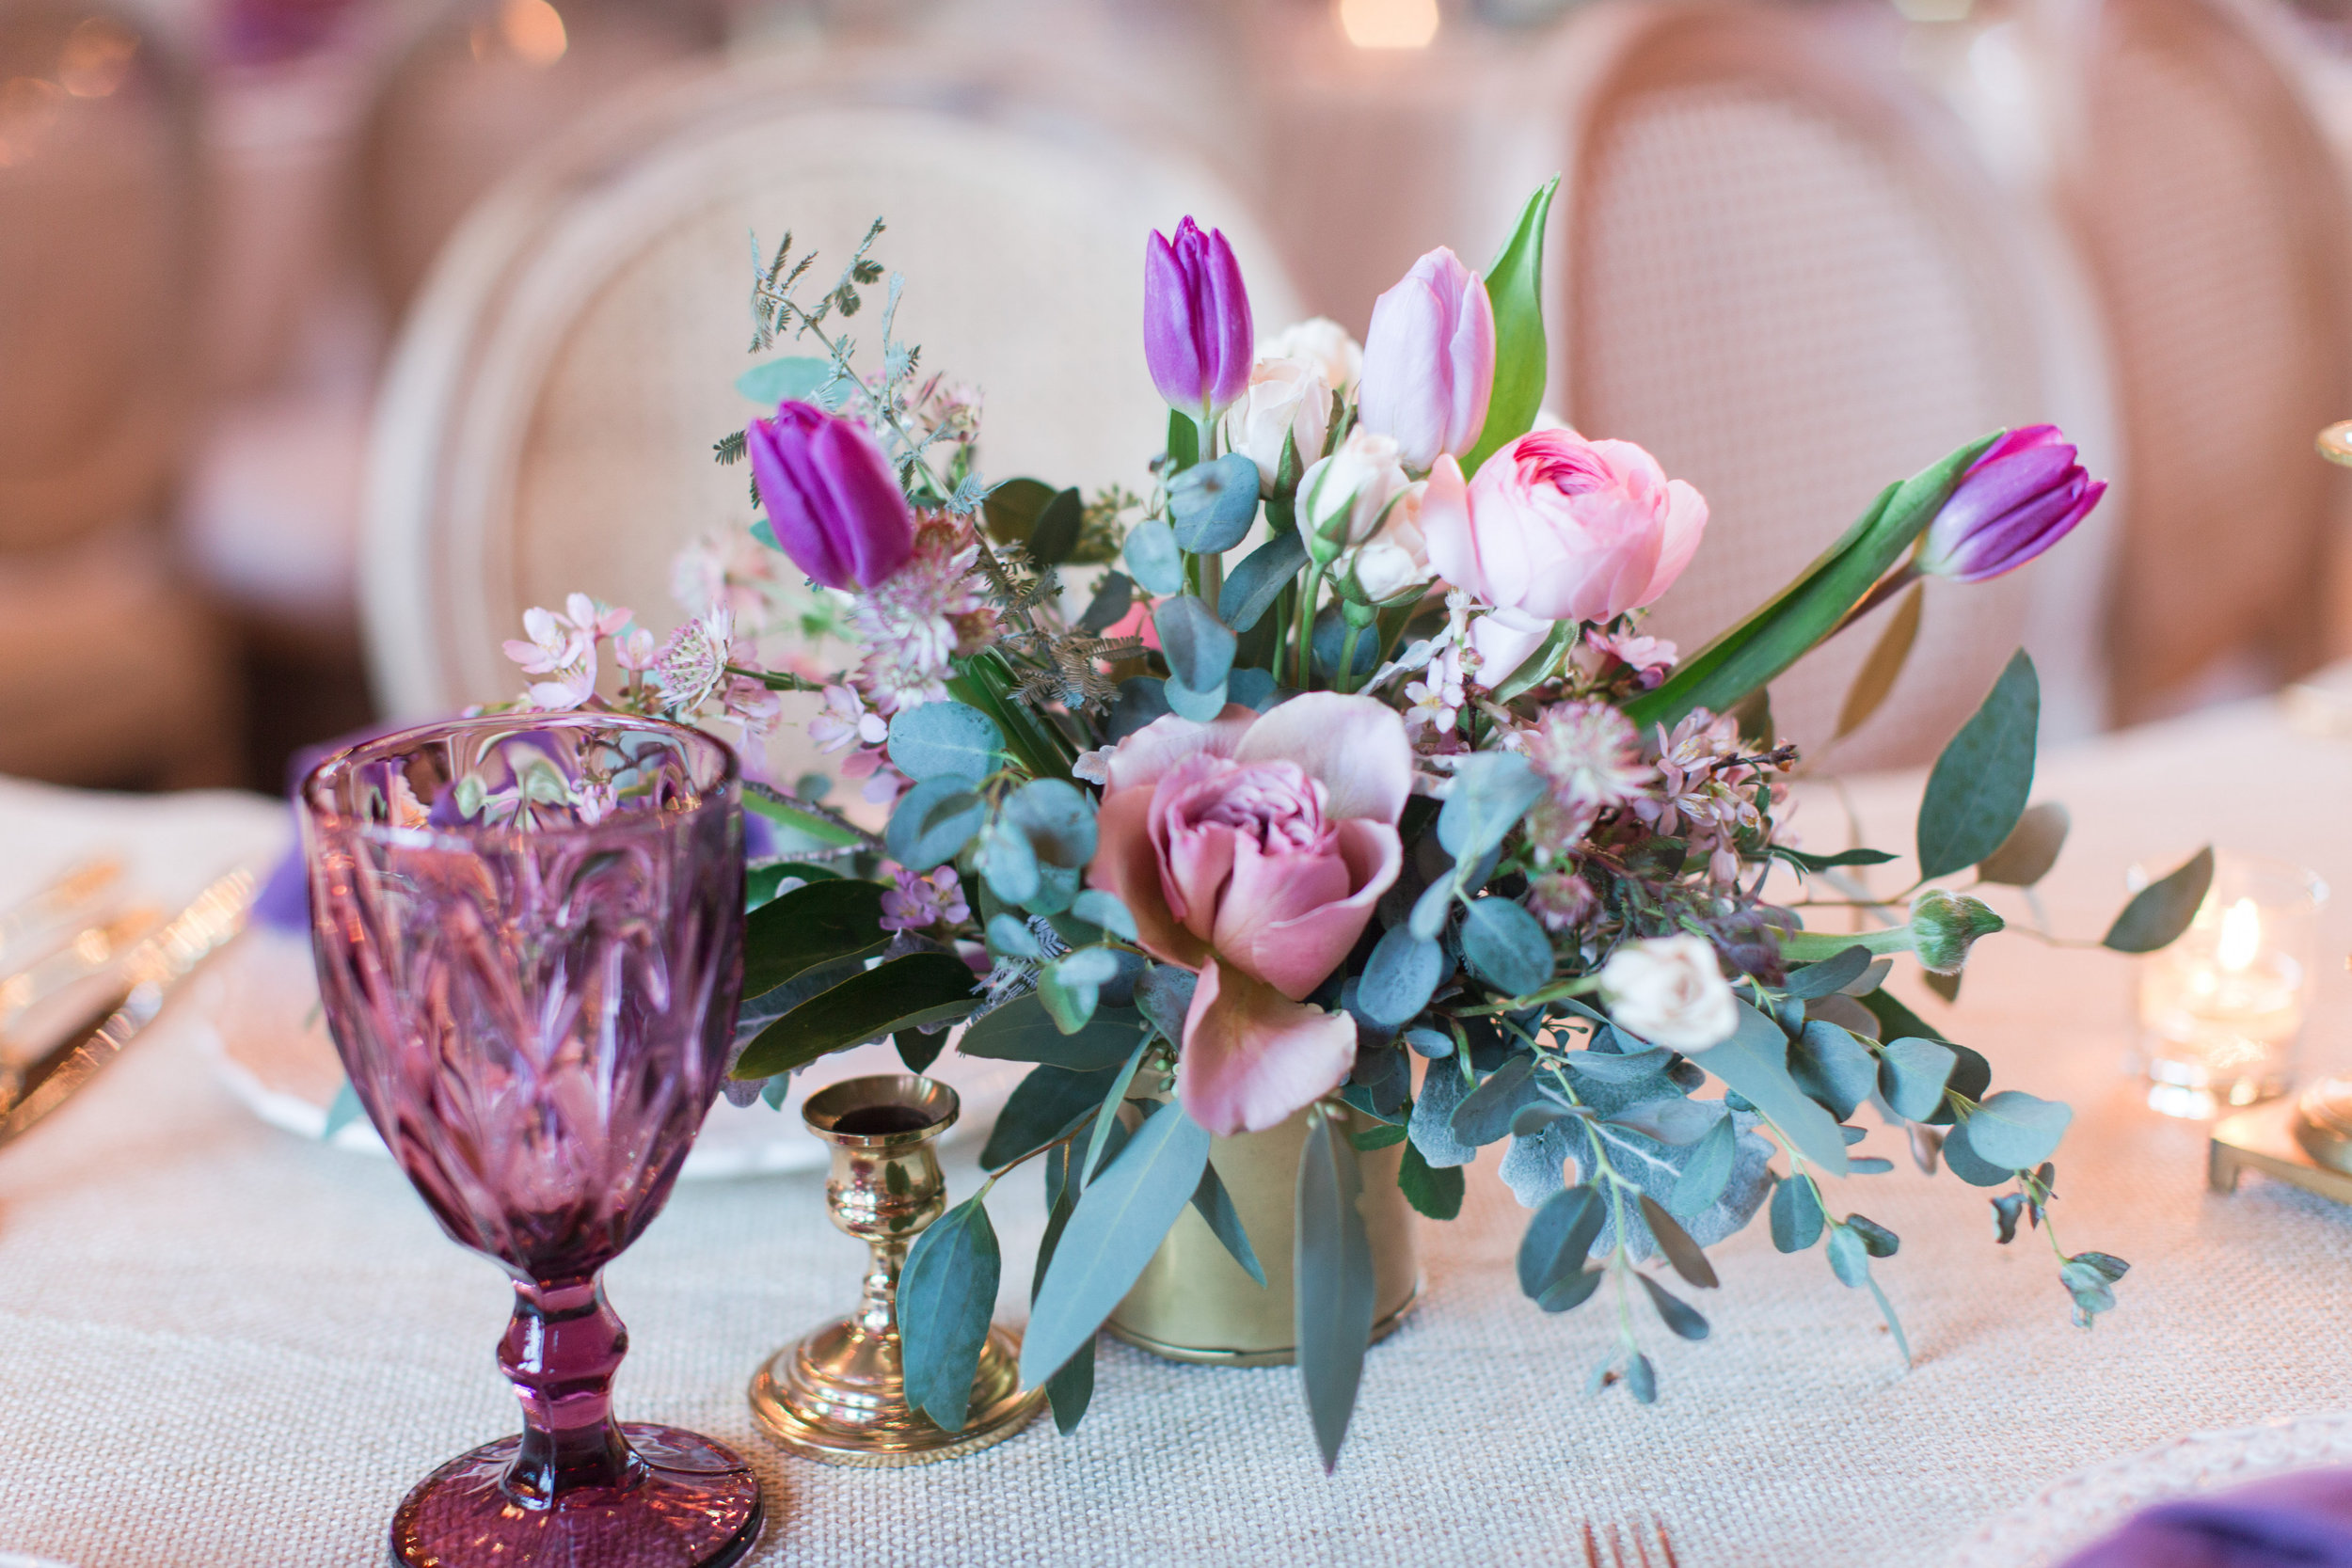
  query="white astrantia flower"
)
[{"x": 1670, "y": 991}]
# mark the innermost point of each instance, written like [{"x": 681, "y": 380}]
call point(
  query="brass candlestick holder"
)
[{"x": 839, "y": 1395}]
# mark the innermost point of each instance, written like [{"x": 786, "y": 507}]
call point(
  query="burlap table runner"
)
[{"x": 221, "y": 1345}]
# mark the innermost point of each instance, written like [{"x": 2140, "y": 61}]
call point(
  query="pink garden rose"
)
[
  {"x": 1251, "y": 850},
  {"x": 1565, "y": 528}
]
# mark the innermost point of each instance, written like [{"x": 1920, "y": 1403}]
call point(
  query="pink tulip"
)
[
  {"x": 1251, "y": 852},
  {"x": 1566, "y": 528},
  {"x": 1429, "y": 360}
]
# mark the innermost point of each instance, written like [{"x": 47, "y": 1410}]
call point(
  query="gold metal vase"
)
[
  {"x": 1193, "y": 1302},
  {"x": 839, "y": 1395}
]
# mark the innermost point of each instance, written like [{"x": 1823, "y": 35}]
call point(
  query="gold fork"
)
[
  {"x": 1631, "y": 1548},
  {"x": 90, "y": 950},
  {"x": 70, "y": 893}
]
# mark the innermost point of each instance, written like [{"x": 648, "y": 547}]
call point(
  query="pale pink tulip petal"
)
[
  {"x": 1295, "y": 946},
  {"x": 1504, "y": 638},
  {"x": 1686, "y": 525},
  {"x": 1126, "y": 864},
  {"x": 1355, "y": 747},
  {"x": 1445, "y": 521},
  {"x": 1252, "y": 1057},
  {"x": 1144, "y": 756}
]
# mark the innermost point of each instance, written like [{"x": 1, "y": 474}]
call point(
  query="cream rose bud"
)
[
  {"x": 1670, "y": 991},
  {"x": 1287, "y": 399},
  {"x": 1342, "y": 497},
  {"x": 1395, "y": 559},
  {"x": 1323, "y": 343}
]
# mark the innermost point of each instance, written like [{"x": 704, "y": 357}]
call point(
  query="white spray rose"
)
[
  {"x": 1323, "y": 343},
  {"x": 1286, "y": 400},
  {"x": 1395, "y": 559},
  {"x": 1341, "y": 498},
  {"x": 1670, "y": 991}
]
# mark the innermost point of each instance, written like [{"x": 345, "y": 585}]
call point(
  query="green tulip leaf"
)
[{"x": 1515, "y": 288}]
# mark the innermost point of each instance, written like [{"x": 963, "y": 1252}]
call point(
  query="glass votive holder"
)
[{"x": 2222, "y": 1009}]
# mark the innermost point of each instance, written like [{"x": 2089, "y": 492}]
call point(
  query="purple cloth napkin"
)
[{"x": 2296, "y": 1521}]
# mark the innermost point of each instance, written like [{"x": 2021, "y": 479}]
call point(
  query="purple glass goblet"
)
[{"x": 528, "y": 931}]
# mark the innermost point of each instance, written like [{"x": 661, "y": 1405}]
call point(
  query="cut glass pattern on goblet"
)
[{"x": 527, "y": 931}]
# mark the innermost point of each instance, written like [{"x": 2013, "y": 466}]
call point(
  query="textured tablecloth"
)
[{"x": 220, "y": 1344}]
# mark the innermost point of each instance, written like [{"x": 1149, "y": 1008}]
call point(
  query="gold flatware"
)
[
  {"x": 29, "y": 1090},
  {"x": 54, "y": 904},
  {"x": 1631, "y": 1548},
  {"x": 89, "y": 951}
]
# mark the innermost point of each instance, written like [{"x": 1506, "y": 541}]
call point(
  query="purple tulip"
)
[
  {"x": 2022, "y": 497},
  {"x": 834, "y": 503},
  {"x": 1197, "y": 334}
]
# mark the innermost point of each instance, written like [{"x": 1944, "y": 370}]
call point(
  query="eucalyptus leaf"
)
[
  {"x": 1431, "y": 1125},
  {"x": 1252, "y": 689},
  {"x": 1559, "y": 1237},
  {"x": 1848, "y": 1260},
  {"x": 1164, "y": 996},
  {"x": 1702, "y": 1179},
  {"x": 1830, "y": 975},
  {"x": 1876, "y": 1239},
  {"x": 1797, "y": 1216},
  {"x": 1120, "y": 1219},
  {"x": 1253, "y": 586},
  {"x": 2159, "y": 913},
  {"x": 1152, "y": 558},
  {"x": 936, "y": 739},
  {"x": 946, "y": 1292},
  {"x": 1834, "y": 1069},
  {"x": 1072, "y": 1389},
  {"x": 1753, "y": 1065},
  {"x": 1199, "y": 647},
  {"x": 798, "y": 378},
  {"x": 1485, "y": 1114},
  {"x": 2031, "y": 849},
  {"x": 1675, "y": 1313},
  {"x": 1104, "y": 909},
  {"x": 1680, "y": 1251},
  {"x": 903, "y": 993},
  {"x": 341, "y": 1112},
  {"x": 1674, "y": 1119},
  {"x": 1431, "y": 908},
  {"x": 1058, "y": 529},
  {"x": 933, "y": 821},
  {"x": 1113, "y": 597},
  {"x": 1641, "y": 1380},
  {"x": 1911, "y": 1075},
  {"x": 1505, "y": 945},
  {"x": 1572, "y": 1292},
  {"x": 1058, "y": 819},
  {"x": 1978, "y": 790},
  {"x": 2017, "y": 1129},
  {"x": 1141, "y": 699},
  {"x": 1332, "y": 1284},
  {"x": 1211, "y": 505},
  {"x": 1201, "y": 707},
  {"x": 1009, "y": 861},
  {"x": 1399, "y": 977},
  {"x": 1491, "y": 791},
  {"x": 1963, "y": 1160}
]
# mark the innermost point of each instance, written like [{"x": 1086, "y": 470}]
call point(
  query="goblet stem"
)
[{"x": 560, "y": 1350}]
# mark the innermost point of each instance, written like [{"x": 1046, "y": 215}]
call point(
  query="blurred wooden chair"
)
[
  {"x": 2217, "y": 229},
  {"x": 1782, "y": 272},
  {"x": 111, "y": 670},
  {"x": 548, "y": 422}
]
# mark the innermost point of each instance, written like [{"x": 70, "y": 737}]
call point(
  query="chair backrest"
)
[
  {"x": 1781, "y": 271},
  {"x": 2216, "y": 227},
  {"x": 97, "y": 230},
  {"x": 548, "y": 420}
]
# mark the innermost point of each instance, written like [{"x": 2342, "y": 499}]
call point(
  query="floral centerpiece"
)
[{"x": 1354, "y": 791}]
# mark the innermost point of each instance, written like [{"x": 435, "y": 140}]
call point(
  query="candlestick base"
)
[
  {"x": 2323, "y": 1123},
  {"x": 2265, "y": 1140}
]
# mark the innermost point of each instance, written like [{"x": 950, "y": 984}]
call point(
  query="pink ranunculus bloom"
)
[
  {"x": 1429, "y": 360},
  {"x": 1252, "y": 850},
  {"x": 1566, "y": 528}
]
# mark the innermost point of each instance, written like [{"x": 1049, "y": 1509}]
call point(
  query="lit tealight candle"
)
[{"x": 2223, "y": 1008}]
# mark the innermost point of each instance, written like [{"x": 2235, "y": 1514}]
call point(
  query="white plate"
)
[
  {"x": 258, "y": 1006},
  {"x": 2093, "y": 1502}
]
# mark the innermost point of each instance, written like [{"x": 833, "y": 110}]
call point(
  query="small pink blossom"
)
[
  {"x": 553, "y": 642},
  {"x": 1589, "y": 755},
  {"x": 1093, "y": 767},
  {"x": 917, "y": 903},
  {"x": 1651, "y": 659},
  {"x": 1561, "y": 899},
  {"x": 595, "y": 618},
  {"x": 635, "y": 651},
  {"x": 693, "y": 661},
  {"x": 916, "y": 620},
  {"x": 845, "y": 720}
]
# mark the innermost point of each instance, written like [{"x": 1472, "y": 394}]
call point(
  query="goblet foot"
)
[{"x": 695, "y": 1504}]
